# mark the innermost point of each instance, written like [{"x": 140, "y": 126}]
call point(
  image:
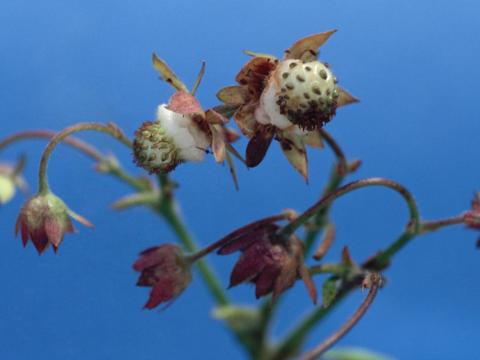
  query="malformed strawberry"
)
[
  {"x": 287, "y": 100},
  {"x": 304, "y": 94}
]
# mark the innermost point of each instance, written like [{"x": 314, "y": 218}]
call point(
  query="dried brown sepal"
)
[
  {"x": 231, "y": 240},
  {"x": 218, "y": 143},
  {"x": 327, "y": 241},
  {"x": 254, "y": 75},
  {"x": 309, "y": 284},
  {"x": 294, "y": 150},
  {"x": 245, "y": 119},
  {"x": 233, "y": 95},
  {"x": 306, "y": 49},
  {"x": 347, "y": 258},
  {"x": 258, "y": 145},
  {"x": 273, "y": 264},
  {"x": 258, "y": 54},
  {"x": 345, "y": 98},
  {"x": 167, "y": 74},
  {"x": 214, "y": 117},
  {"x": 199, "y": 78},
  {"x": 354, "y": 165},
  {"x": 166, "y": 270},
  {"x": 313, "y": 139}
]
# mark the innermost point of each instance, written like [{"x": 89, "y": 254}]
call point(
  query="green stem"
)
[
  {"x": 108, "y": 129},
  {"x": 168, "y": 209},
  {"x": 295, "y": 338},
  {"x": 337, "y": 175}
]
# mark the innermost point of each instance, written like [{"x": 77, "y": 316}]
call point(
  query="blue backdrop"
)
[{"x": 414, "y": 64}]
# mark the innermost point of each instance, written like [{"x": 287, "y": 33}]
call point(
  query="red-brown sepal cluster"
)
[
  {"x": 165, "y": 269},
  {"x": 272, "y": 263},
  {"x": 44, "y": 219}
]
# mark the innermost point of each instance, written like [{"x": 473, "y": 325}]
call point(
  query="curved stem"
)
[
  {"x": 377, "y": 263},
  {"x": 78, "y": 144},
  {"x": 348, "y": 325},
  {"x": 337, "y": 175},
  {"x": 109, "y": 129},
  {"x": 326, "y": 200}
]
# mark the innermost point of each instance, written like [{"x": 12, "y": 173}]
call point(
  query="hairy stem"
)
[{"x": 108, "y": 129}]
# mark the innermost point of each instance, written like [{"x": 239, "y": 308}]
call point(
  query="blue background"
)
[{"x": 414, "y": 64}]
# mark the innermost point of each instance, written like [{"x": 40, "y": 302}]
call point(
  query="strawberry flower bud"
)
[
  {"x": 166, "y": 270},
  {"x": 44, "y": 219}
]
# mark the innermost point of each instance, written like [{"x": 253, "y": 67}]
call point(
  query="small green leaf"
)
[
  {"x": 329, "y": 291},
  {"x": 239, "y": 318}
]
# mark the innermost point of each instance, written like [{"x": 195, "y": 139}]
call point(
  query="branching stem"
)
[{"x": 107, "y": 129}]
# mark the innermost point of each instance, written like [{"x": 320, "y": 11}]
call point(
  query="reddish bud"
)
[
  {"x": 44, "y": 219},
  {"x": 166, "y": 270}
]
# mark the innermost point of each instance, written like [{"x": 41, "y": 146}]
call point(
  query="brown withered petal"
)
[
  {"x": 306, "y": 49},
  {"x": 294, "y": 150},
  {"x": 258, "y": 145}
]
